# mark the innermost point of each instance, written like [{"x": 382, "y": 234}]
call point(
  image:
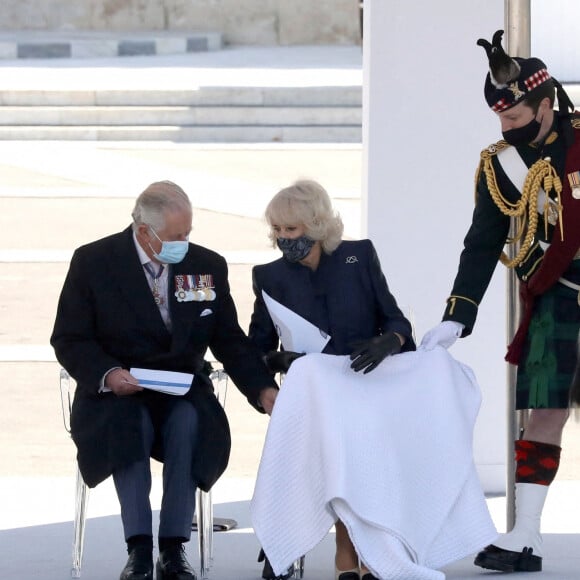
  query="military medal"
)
[
  {"x": 194, "y": 288},
  {"x": 184, "y": 289},
  {"x": 205, "y": 287},
  {"x": 157, "y": 297},
  {"x": 574, "y": 179},
  {"x": 180, "y": 291}
]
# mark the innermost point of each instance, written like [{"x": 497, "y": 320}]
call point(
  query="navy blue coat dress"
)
[{"x": 347, "y": 297}]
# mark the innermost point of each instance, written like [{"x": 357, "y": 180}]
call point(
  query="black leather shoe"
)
[
  {"x": 173, "y": 565},
  {"x": 268, "y": 573},
  {"x": 139, "y": 566},
  {"x": 350, "y": 575},
  {"x": 369, "y": 576},
  {"x": 494, "y": 558}
]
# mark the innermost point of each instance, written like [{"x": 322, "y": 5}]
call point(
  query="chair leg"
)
[
  {"x": 204, "y": 514},
  {"x": 81, "y": 502},
  {"x": 210, "y": 522},
  {"x": 298, "y": 567}
]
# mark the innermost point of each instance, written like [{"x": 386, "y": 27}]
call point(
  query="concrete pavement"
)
[{"x": 55, "y": 196}]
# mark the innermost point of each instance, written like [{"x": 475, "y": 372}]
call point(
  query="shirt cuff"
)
[{"x": 102, "y": 387}]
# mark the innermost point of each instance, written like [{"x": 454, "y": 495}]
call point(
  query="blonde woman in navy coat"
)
[{"x": 336, "y": 285}]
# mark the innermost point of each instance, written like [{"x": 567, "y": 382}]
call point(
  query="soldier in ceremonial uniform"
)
[{"x": 530, "y": 178}]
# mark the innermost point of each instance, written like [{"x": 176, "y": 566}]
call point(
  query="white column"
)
[{"x": 425, "y": 123}]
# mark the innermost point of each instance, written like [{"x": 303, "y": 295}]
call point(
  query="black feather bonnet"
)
[{"x": 510, "y": 80}]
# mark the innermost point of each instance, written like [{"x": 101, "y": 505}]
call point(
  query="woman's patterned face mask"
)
[{"x": 295, "y": 249}]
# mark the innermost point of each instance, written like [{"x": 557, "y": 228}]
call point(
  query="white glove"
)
[{"x": 444, "y": 334}]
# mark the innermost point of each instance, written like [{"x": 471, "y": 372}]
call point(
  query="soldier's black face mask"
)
[{"x": 523, "y": 135}]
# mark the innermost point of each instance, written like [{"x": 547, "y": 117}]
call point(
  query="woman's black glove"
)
[
  {"x": 368, "y": 354},
  {"x": 279, "y": 361}
]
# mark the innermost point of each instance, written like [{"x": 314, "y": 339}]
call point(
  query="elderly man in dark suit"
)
[{"x": 147, "y": 298}]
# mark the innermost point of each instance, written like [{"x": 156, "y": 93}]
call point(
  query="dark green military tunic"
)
[{"x": 547, "y": 364}]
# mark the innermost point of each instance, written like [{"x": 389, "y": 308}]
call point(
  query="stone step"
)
[
  {"x": 103, "y": 44},
  {"x": 188, "y": 133},
  {"x": 179, "y": 115},
  {"x": 210, "y": 114},
  {"x": 215, "y": 96}
]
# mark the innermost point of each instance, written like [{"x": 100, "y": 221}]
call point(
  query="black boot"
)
[{"x": 494, "y": 558}]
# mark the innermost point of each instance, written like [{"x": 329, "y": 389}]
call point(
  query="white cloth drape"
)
[{"x": 389, "y": 453}]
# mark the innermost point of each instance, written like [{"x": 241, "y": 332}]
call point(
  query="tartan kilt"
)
[{"x": 549, "y": 356}]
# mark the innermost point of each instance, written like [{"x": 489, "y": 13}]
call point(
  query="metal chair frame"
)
[{"x": 204, "y": 506}]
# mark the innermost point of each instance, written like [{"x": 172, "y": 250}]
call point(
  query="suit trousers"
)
[{"x": 177, "y": 433}]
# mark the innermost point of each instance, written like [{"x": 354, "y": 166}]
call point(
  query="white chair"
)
[{"x": 205, "y": 524}]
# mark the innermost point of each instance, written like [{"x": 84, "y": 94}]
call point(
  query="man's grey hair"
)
[{"x": 155, "y": 201}]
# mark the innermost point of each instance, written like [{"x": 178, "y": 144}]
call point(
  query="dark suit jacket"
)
[
  {"x": 107, "y": 318},
  {"x": 347, "y": 297}
]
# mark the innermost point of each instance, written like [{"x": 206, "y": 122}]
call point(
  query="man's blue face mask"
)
[{"x": 171, "y": 252}]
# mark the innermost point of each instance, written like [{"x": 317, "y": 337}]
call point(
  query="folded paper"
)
[
  {"x": 296, "y": 333},
  {"x": 168, "y": 382}
]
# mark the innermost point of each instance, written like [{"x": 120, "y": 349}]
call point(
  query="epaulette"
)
[
  {"x": 489, "y": 152},
  {"x": 494, "y": 149}
]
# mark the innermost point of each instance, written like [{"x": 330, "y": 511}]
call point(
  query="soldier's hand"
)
[{"x": 444, "y": 334}]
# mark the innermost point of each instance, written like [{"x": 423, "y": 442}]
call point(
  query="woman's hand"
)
[{"x": 368, "y": 354}]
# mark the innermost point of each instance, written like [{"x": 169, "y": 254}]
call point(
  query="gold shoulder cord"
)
[{"x": 541, "y": 173}]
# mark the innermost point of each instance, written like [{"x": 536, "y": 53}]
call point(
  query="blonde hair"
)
[{"x": 306, "y": 203}]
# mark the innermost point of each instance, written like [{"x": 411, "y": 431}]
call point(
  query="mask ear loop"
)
[{"x": 149, "y": 243}]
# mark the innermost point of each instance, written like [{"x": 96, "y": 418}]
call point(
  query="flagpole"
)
[{"x": 518, "y": 43}]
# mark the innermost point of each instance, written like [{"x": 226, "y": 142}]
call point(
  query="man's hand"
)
[
  {"x": 368, "y": 354},
  {"x": 444, "y": 334},
  {"x": 268, "y": 398},
  {"x": 122, "y": 383},
  {"x": 279, "y": 361}
]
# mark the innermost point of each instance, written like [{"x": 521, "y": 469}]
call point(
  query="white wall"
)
[
  {"x": 425, "y": 123},
  {"x": 555, "y": 37}
]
